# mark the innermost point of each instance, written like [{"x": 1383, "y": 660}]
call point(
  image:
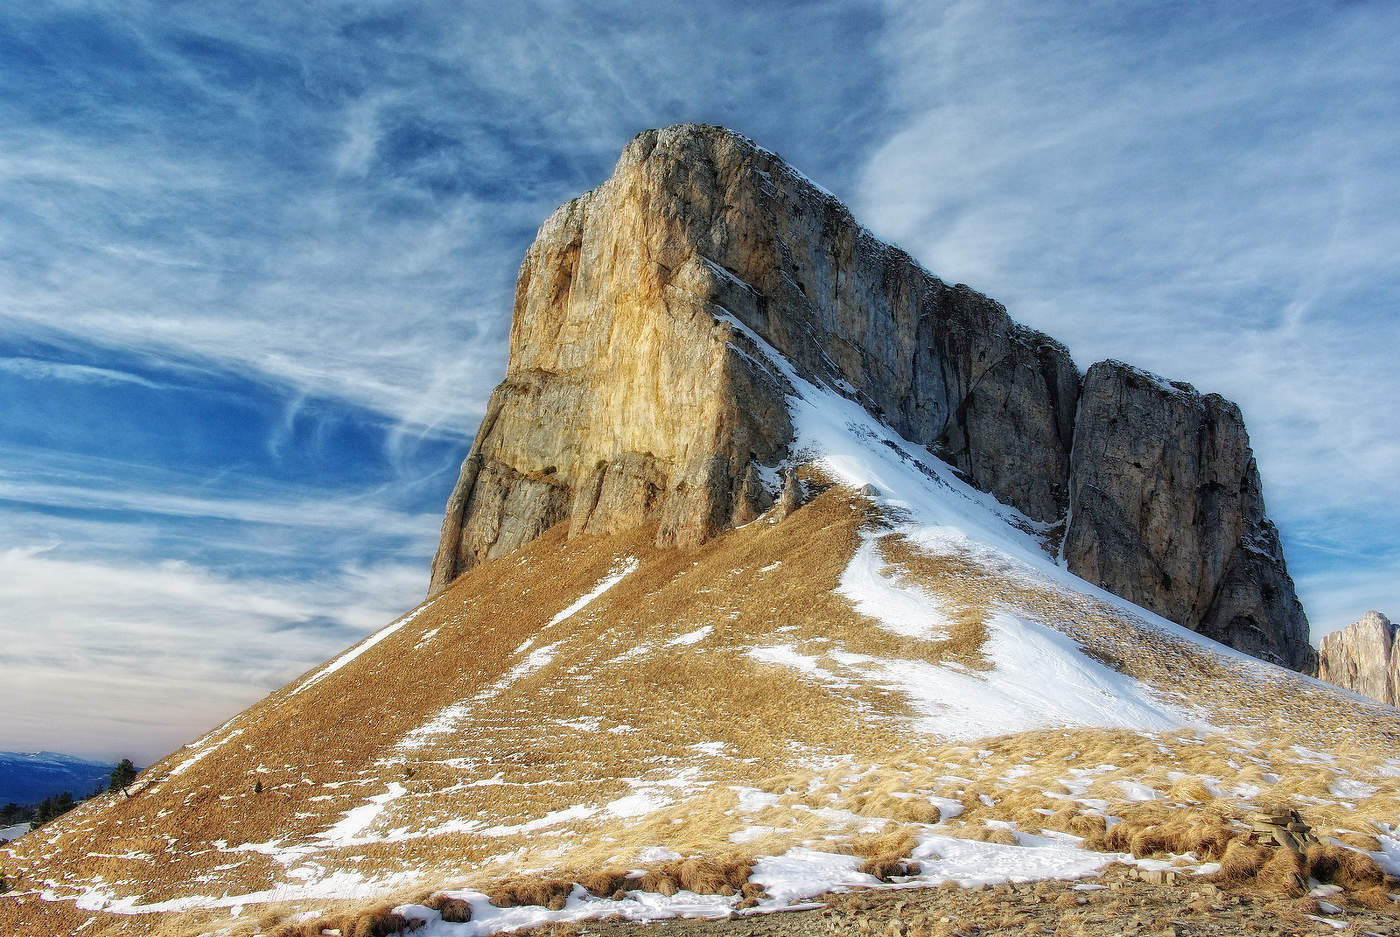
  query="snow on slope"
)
[
  {"x": 359, "y": 649},
  {"x": 944, "y": 513},
  {"x": 1039, "y": 678}
]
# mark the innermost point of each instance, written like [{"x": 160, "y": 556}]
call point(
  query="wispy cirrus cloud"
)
[
  {"x": 297, "y": 227},
  {"x": 38, "y": 369},
  {"x": 339, "y": 200}
]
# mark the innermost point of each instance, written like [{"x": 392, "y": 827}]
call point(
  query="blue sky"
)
[{"x": 256, "y": 262}]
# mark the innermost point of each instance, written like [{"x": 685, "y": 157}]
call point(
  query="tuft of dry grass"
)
[
  {"x": 1284, "y": 873},
  {"x": 377, "y": 921},
  {"x": 886, "y": 854},
  {"x": 886, "y": 868},
  {"x": 1348, "y": 868},
  {"x": 604, "y": 882},
  {"x": 1241, "y": 862},
  {"x": 1205, "y": 835},
  {"x": 1088, "y": 826},
  {"x": 523, "y": 891},
  {"x": 1377, "y": 897},
  {"x": 704, "y": 876},
  {"x": 983, "y": 834},
  {"x": 453, "y": 910}
]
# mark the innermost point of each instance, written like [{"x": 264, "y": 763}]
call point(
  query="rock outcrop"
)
[
  {"x": 1364, "y": 657},
  {"x": 626, "y": 398},
  {"x": 1166, "y": 509},
  {"x": 631, "y": 395}
]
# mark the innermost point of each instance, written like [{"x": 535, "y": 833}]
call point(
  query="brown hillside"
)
[{"x": 719, "y": 702}]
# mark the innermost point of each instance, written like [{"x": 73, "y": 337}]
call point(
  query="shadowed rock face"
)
[
  {"x": 1364, "y": 657},
  {"x": 629, "y": 394},
  {"x": 1166, "y": 510}
]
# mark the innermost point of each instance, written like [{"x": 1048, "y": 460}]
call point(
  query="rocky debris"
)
[
  {"x": 1167, "y": 510},
  {"x": 1121, "y": 901},
  {"x": 1364, "y": 657},
  {"x": 1284, "y": 827},
  {"x": 634, "y": 393}
]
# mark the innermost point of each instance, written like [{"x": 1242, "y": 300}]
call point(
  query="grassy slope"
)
[{"x": 616, "y": 714}]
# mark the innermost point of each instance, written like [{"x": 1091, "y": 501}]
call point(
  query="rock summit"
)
[{"x": 634, "y": 393}]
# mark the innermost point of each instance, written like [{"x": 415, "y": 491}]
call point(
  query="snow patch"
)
[
  {"x": 903, "y": 609},
  {"x": 693, "y": 637},
  {"x": 614, "y": 576},
  {"x": 359, "y": 818},
  {"x": 1039, "y": 678},
  {"x": 1352, "y": 789},
  {"x": 191, "y": 761},
  {"x": 358, "y": 649}
]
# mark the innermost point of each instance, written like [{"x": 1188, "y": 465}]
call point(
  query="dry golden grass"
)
[
  {"x": 376, "y": 921},
  {"x": 453, "y": 910},
  {"x": 546, "y": 893},
  {"x": 615, "y": 706},
  {"x": 1159, "y": 833},
  {"x": 1345, "y": 867}
]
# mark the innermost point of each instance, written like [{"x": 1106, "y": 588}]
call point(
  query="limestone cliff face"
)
[
  {"x": 1166, "y": 510},
  {"x": 625, "y": 398},
  {"x": 631, "y": 396},
  {"x": 1364, "y": 657}
]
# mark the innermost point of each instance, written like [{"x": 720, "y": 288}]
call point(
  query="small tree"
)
[
  {"x": 122, "y": 775},
  {"x": 52, "y": 807}
]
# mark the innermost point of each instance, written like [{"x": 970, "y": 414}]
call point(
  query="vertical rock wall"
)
[
  {"x": 1364, "y": 657},
  {"x": 1166, "y": 510},
  {"x": 625, "y": 399},
  {"x": 629, "y": 397}
]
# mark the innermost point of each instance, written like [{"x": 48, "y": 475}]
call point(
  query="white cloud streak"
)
[
  {"x": 135, "y": 659},
  {"x": 33, "y": 368}
]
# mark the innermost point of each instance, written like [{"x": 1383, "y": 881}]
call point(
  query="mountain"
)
[
  {"x": 1364, "y": 657},
  {"x": 635, "y": 392},
  {"x": 753, "y": 587},
  {"x": 27, "y": 778}
]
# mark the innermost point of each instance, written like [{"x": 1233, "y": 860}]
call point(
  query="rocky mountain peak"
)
[
  {"x": 1364, "y": 657},
  {"x": 634, "y": 393}
]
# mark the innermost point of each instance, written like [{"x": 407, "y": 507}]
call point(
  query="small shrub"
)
[{"x": 453, "y": 910}]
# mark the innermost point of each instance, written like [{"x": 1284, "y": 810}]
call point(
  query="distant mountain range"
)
[{"x": 29, "y": 777}]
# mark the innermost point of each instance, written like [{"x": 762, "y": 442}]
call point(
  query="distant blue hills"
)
[{"x": 26, "y": 778}]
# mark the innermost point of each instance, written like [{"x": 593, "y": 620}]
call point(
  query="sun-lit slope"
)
[{"x": 909, "y": 656}]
